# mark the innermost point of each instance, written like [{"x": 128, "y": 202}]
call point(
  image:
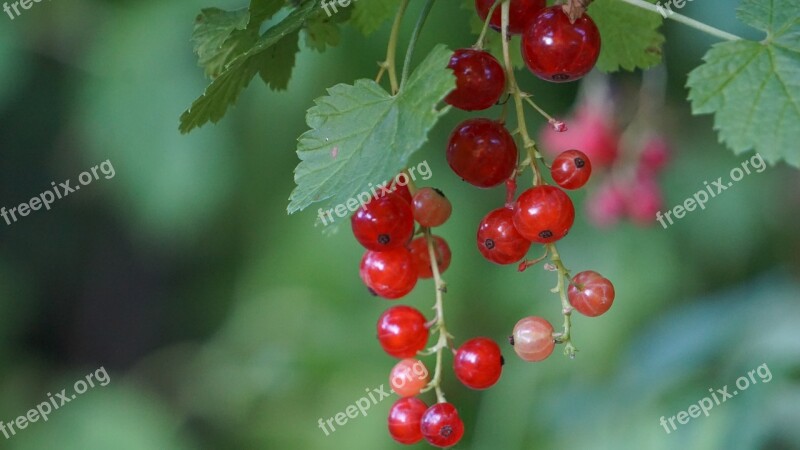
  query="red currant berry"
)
[
  {"x": 402, "y": 331},
  {"x": 478, "y": 363},
  {"x": 590, "y": 294},
  {"x": 384, "y": 223},
  {"x": 498, "y": 239},
  {"x": 390, "y": 274},
  {"x": 422, "y": 257},
  {"x": 571, "y": 169},
  {"x": 533, "y": 339},
  {"x": 482, "y": 152},
  {"x": 543, "y": 214},
  {"x": 520, "y": 12},
  {"x": 441, "y": 426},
  {"x": 556, "y": 50},
  {"x": 408, "y": 377},
  {"x": 431, "y": 208},
  {"x": 404, "y": 420},
  {"x": 401, "y": 190},
  {"x": 480, "y": 80}
]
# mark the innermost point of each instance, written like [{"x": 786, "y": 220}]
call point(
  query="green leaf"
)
[
  {"x": 218, "y": 38},
  {"x": 369, "y": 15},
  {"x": 753, "y": 88},
  {"x": 277, "y": 62},
  {"x": 225, "y": 89},
  {"x": 630, "y": 36},
  {"x": 360, "y": 134},
  {"x": 321, "y": 33}
]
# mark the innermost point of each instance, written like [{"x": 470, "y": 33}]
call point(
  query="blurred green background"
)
[{"x": 226, "y": 324}]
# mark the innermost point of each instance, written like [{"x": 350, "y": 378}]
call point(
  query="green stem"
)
[
  {"x": 685, "y": 20},
  {"x": 482, "y": 37},
  {"x": 414, "y": 37},
  {"x": 527, "y": 142},
  {"x": 444, "y": 337},
  {"x": 565, "y": 337},
  {"x": 391, "y": 52}
]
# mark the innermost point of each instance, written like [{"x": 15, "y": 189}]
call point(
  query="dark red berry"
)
[
  {"x": 431, "y": 208},
  {"x": 441, "y": 426},
  {"x": 384, "y": 223},
  {"x": 421, "y": 255},
  {"x": 480, "y": 80},
  {"x": 482, "y": 152},
  {"x": 556, "y": 50},
  {"x": 405, "y": 417},
  {"x": 478, "y": 363},
  {"x": 520, "y": 12},
  {"x": 590, "y": 293},
  {"x": 391, "y": 274},
  {"x": 498, "y": 239},
  {"x": 571, "y": 169},
  {"x": 402, "y": 331},
  {"x": 543, "y": 214}
]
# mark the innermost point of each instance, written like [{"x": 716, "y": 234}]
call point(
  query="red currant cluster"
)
[
  {"x": 390, "y": 268},
  {"x": 484, "y": 153}
]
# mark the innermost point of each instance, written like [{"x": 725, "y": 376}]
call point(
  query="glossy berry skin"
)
[
  {"x": 556, "y": 50},
  {"x": 384, "y": 223},
  {"x": 543, "y": 214},
  {"x": 391, "y": 274},
  {"x": 478, "y": 363},
  {"x": 480, "y": 80},
  {"x": 571, "y": 169},
  {"x": 404, "y": 420},
  {"x": 533, "y": 339},
  {"x": 408, "y": 377},
  {"x": 441, "y": 426},
  {"x": 590, "y": 293},
  {"x": 520, "y": 12},
  {"x": 498, "y": 239},
  {"x": 422, "y": 259},
  {"x": 402, "y": 332},
  {"x": 430, "y": 207},
  {"x": 482, "y": 152}
]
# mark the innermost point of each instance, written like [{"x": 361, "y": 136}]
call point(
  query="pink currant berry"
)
[{"x": 533, "y": 339}]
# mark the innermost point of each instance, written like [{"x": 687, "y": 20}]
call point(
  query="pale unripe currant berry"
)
[{"x": 533, "y": 339}]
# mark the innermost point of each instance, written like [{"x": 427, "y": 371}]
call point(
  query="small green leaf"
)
[
  {"x": 277, "y": 62},
  {"x": 219, "y": 37},
  {"x": 369, "y": 15},
  {"x": 753, "y": 88},
  {"x": 360, "y": 134},
  {"x": 322, "y": 33},
  {"x": 630, "y": 36},
  {"x": 225, "y": 89}
]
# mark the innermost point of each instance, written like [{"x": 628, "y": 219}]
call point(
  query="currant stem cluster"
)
[{"x": 533, "y": 158}]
